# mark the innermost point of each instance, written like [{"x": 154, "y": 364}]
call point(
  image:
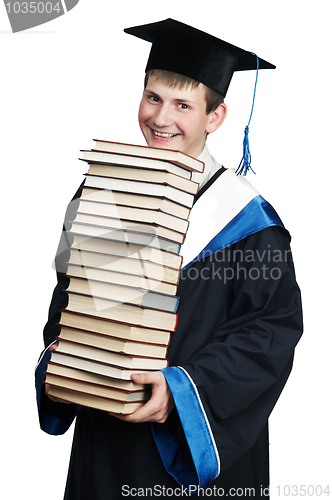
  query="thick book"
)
[
  {"x": 127, "y": 250},
  {"x": 117, "y": 278},
  {"x": 109, "y": 357},
  {"x": 95, "y": 402},
  {"x": 138, "y": 267},
  {"x": 134, "y": 161},
  {"x": 112, "y": 344},
  {"x": 93, "y": 378},
  {"x": 123, "y": 313},
  {"x": 124, "y": 236},
  {"x": 144, "y": 175},
  {"x": 144, "y": 188},
  {"x": 95, "y": 389},
  {"x": 140, "y": 215},
  {"x": 156, "y": 153},
  {"x": 136, "y": 200},
  {"x": 125, "y": 294},
  {"x": 93, "y": 367},
  {"x": 113, "y": 224},
  {"x": 114, "y": 329}
]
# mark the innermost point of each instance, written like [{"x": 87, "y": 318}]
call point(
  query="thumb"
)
[
  {"x": 146, "y": 378},
  {"x": 137, "y": 378}
]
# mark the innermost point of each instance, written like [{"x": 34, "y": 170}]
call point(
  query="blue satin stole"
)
[
  {"x": 258, "y": 214},
  {"x": 197, "y": 431},
  {"x": 255, "y": 216}
]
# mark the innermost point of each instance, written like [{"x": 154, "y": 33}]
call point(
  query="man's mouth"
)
[{"x": 163, "y": 134}]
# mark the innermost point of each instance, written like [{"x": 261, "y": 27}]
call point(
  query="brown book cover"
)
[
  {"x": 96, "y": 389},
  {"x": 94, "y": 378},
  {"x": 144, "y": 175},
  {"x": 136, "y": 200},
  {"x": 109, "y": 357},
  {"x": 144, "y": 254},
  {"x": 123, "y": 313},
  {"x": 126, "y": 265},
  {"x": 108, "y": 225},
  {"x": 124, "y": 294},
  {"x": 115, "y": 344},
  {"x": 157, "y": 153},
  {"x": 91, "y": 366},
  {"x": 124, "y": 236},
  {"x": 141, "y": 188},
  {"x": 114, "y": 159},
  {"x": 114, "y": 329},
  {"x": 96, "y": 402},
  {"x": 128, "y": 213},
  {"x": 118, "y": 278}
]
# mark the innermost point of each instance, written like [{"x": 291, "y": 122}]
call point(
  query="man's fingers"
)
[
  {"x": 148, "y": 378},
  {"x": 159, "y": 406}
]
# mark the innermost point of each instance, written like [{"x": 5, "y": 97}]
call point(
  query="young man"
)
[{"x": 239, "y": 317}]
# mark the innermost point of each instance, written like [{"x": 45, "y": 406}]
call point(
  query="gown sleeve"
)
[
  {"x": 226, "y": 390},
  {"x": 56, "y": 418}
]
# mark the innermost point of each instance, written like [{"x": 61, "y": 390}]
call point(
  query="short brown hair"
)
[{"x": 212, "y": 97}]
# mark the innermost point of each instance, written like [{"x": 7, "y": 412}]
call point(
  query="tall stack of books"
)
[{"x": 124, "y": 268}]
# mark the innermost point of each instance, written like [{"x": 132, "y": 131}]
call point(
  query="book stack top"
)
[{"x": 124, "y": 266}]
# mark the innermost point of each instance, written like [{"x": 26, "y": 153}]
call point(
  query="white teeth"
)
[{"x": 160, "y": 134}]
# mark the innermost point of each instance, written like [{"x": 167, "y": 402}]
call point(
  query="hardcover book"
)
[
  {"x": 135, "y": 200},
  {"x": 164, "y": 154},
  {"x": 107, "y": 158},
  {"x": 114, "y": 329}
]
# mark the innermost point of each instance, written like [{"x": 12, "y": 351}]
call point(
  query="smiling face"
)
[{"x": 175, "y": 118}]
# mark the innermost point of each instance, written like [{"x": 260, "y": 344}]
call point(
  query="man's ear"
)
[{"x": 216, "y": 118}]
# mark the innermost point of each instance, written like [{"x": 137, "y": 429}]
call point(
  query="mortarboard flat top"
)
[{"x": 181, "y": 49}]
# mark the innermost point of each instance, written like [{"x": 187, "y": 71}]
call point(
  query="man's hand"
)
[{"x": 159, "y": 405}]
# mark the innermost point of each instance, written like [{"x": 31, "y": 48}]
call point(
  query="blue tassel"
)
[{"x": 245, "y": 163}]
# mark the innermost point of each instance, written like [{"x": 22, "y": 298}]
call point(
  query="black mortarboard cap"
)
[{"x": 188, "y": 51}]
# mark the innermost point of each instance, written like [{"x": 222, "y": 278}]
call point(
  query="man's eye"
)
[
  {"x": 153, "y": 98},
  {"x": 183, "y": 106}
]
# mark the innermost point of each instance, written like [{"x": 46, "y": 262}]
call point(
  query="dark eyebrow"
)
[
  {"x": 151, "y": 92},
  {"x": 185, "y": 101}
]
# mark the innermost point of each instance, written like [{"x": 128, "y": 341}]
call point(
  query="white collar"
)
[
  {"x": 211, "y": 167},
  {"x": 215, "y": 210}
]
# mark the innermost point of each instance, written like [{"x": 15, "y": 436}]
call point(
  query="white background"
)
[{"x": 80, "y": 77}]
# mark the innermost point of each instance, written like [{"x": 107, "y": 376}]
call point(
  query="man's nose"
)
[{"x": 163, "y": 116}]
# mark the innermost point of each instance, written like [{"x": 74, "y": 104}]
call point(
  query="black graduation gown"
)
[{"x": 237, "y": 328}]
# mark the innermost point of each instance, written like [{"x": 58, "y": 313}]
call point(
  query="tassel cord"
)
[{"x": 245, "y": 163}]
